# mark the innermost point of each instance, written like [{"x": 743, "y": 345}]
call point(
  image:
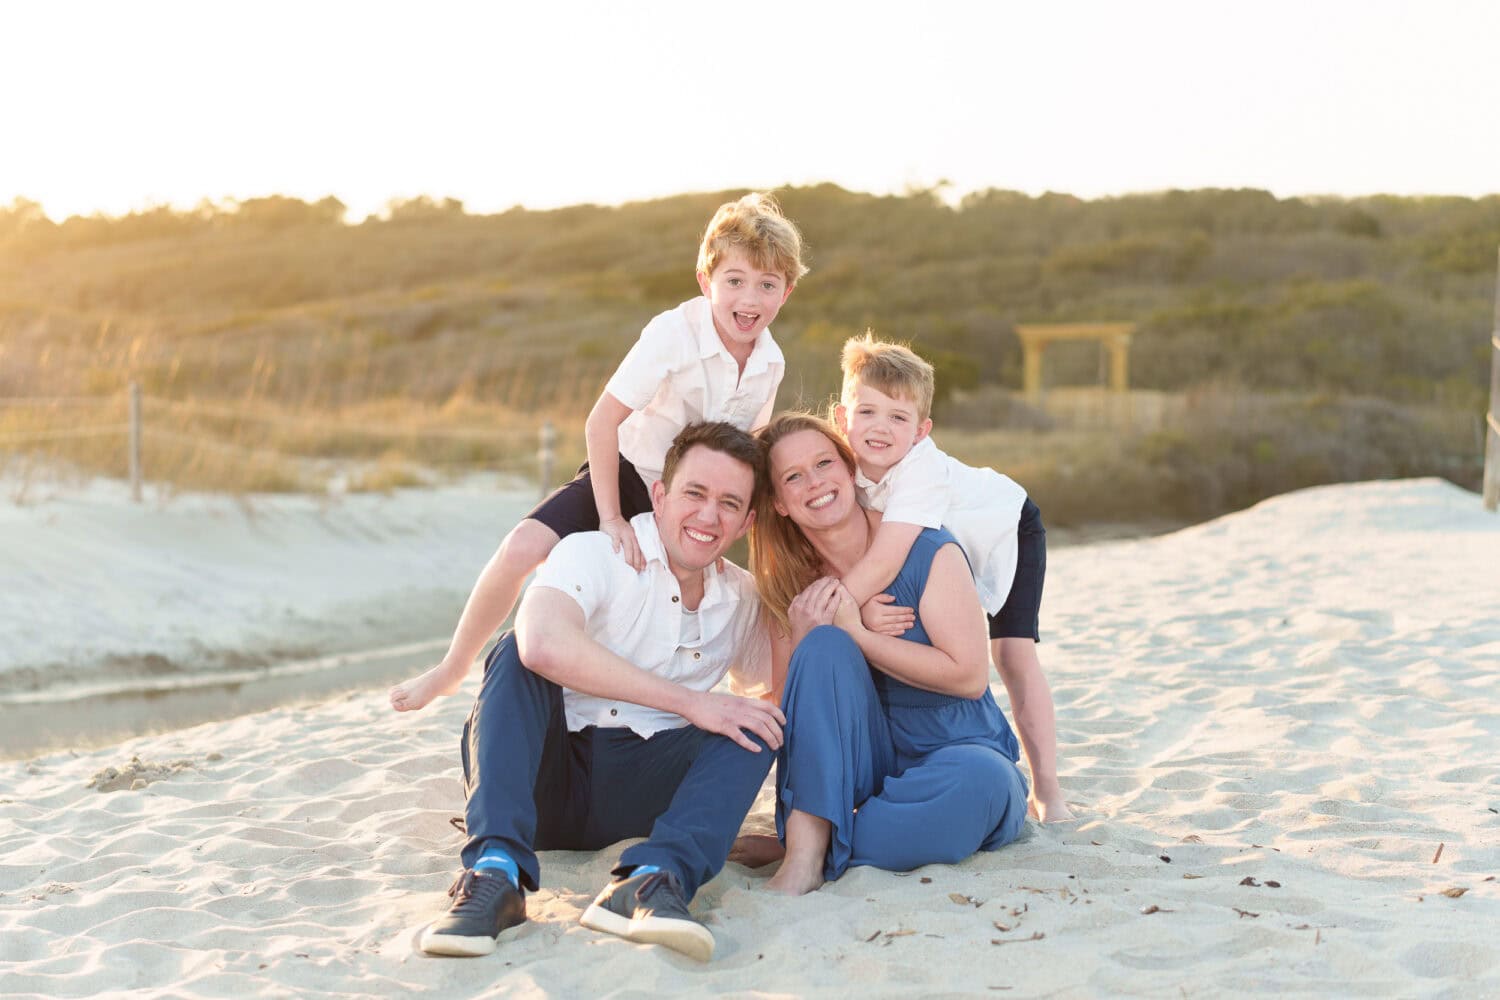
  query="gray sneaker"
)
[
  {"x": 483, "y": 905},
  {"x": 650, "y": 909}
]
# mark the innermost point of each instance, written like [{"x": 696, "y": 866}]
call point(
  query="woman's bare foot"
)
[
  {"x": 807, "y": 838},
  {"x": 756, "y": 850},
  {"x": 797, "y": 877},
  {"x": 418, "y": 692},
  {"x": 1049, "y": 809}
]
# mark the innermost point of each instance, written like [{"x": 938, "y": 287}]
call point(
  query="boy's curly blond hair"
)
[
  {"x": 893, "y": 369},
  {"x": 755, "y": 226}
]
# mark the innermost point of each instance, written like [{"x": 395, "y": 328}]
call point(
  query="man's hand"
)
[
  {"x": 732, "y": 716},
  {"x": 882, "y": 615},
  {"x": 622, "y": 538}
]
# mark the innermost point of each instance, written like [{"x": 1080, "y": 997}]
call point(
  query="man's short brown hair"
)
[{"x": 716, "y": 435}]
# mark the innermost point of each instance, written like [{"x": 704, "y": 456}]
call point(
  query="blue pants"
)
[
  {"x": 534, "y": 786},
  {"x": 848, "y": 758}
]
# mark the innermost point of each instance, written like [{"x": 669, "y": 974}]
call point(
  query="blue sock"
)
[
  {"x": 495, "y": 859},
  {"x": 643, "y": 870}
]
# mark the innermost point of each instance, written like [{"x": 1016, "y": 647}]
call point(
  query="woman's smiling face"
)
[{"x": 810, "y": 481}]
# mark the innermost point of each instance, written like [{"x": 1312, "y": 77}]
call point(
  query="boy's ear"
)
[
  {"x": 703, "y": 282},
  {"x": 788, "y": 293},
  {"x": 841, "y": 418},
  {"x": 923, "y": 429}
]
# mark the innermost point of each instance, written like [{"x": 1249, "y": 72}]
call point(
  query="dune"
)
[{"x": 1281, "y": 731}]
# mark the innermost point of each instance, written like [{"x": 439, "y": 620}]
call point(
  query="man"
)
[{"x": 596, "y": 720}]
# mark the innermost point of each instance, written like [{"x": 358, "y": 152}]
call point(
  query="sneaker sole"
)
[
  {"x": 459, "y": 946},
  {"x": 683, "y": 936}
]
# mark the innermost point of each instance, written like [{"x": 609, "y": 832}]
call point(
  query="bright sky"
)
[{"x": 116, "y": 106}]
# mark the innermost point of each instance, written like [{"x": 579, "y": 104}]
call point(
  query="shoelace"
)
[{"x": 470, "y": 887}]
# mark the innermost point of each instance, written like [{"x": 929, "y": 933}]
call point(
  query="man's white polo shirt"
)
[
  {"x": 639, "y": 616},
  {"x": 980, "y": 506},
  {"x": 679, "y": 372}
]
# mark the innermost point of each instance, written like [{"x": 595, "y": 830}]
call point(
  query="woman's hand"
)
[
  {"x": 846, "y": 613},
  {"x": 815, "y": 606}
]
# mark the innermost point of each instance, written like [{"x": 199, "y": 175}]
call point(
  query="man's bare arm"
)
[{"x": 552, "y": 642}]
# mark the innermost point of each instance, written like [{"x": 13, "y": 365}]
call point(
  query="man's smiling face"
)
[{"x": 705, "y": 509}]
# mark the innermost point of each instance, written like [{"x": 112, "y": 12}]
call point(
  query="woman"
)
[{"x": 895, "y": 753}]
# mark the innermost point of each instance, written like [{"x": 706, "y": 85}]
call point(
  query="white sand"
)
[{"x": 1303, "y": 693}]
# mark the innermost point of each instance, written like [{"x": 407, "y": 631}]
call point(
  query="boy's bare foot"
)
[
  {"x": 797, "y": 877},
  {"x": 756, "y": 850},
  {"x": 1051, "y": 809},
  {"x": 418, "y": 692}
]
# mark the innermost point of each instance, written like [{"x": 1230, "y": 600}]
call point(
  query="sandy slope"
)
[
  {"x": 1304, "y": 693},
  {"x": 95, "y": 586}
]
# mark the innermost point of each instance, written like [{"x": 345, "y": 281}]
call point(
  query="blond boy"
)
[
  {"x": 884, "y": 413},
  {"x": 710, "y": 359}
]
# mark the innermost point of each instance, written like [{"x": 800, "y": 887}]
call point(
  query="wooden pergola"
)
[{"x": 1112, "y": 337}]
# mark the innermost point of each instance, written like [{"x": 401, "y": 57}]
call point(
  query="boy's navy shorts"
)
[
  {"x": 1017, "y": 619},
  {"x": 570, "y": 508}
]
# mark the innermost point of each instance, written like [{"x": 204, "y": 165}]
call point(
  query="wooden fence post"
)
[
  {"x": 135, "y": 441},
  {"x": 1492, "y": 432},
  {"x": 545, "y": 455}
]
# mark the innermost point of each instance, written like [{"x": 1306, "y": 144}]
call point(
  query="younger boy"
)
[
  {"x": 710, "y": 359},
  {"x": 884, "y": 413}
]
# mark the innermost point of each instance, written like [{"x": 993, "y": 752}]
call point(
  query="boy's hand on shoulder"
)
[
  {"x": 622, "y": 539},
  {"x": 883, "y": 616}
]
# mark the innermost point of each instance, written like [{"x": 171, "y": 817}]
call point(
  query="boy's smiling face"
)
[
  {"x": 744, "y": 299},
  {"x": 881, "y": 429}
]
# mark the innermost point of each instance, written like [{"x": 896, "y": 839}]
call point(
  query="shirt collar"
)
[
  {"x": 763, "y": 355},
  {"x": 648, "y": 536},
  {"x": 865, "y": 483}
]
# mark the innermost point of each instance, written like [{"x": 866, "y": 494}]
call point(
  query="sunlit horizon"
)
[{"x": 129, "y": 108}]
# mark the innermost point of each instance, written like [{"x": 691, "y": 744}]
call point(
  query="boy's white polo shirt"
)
[
  {"x": 679, "y": 372},
  {"x": 639, "y": 616},
  {"x": 981, "y": 507}
]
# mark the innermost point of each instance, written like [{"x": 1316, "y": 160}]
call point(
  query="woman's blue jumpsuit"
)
[{"x": 907, "y": 777}]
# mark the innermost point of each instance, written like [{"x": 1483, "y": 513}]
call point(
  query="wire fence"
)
[{"x": 193, "y": 443}]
